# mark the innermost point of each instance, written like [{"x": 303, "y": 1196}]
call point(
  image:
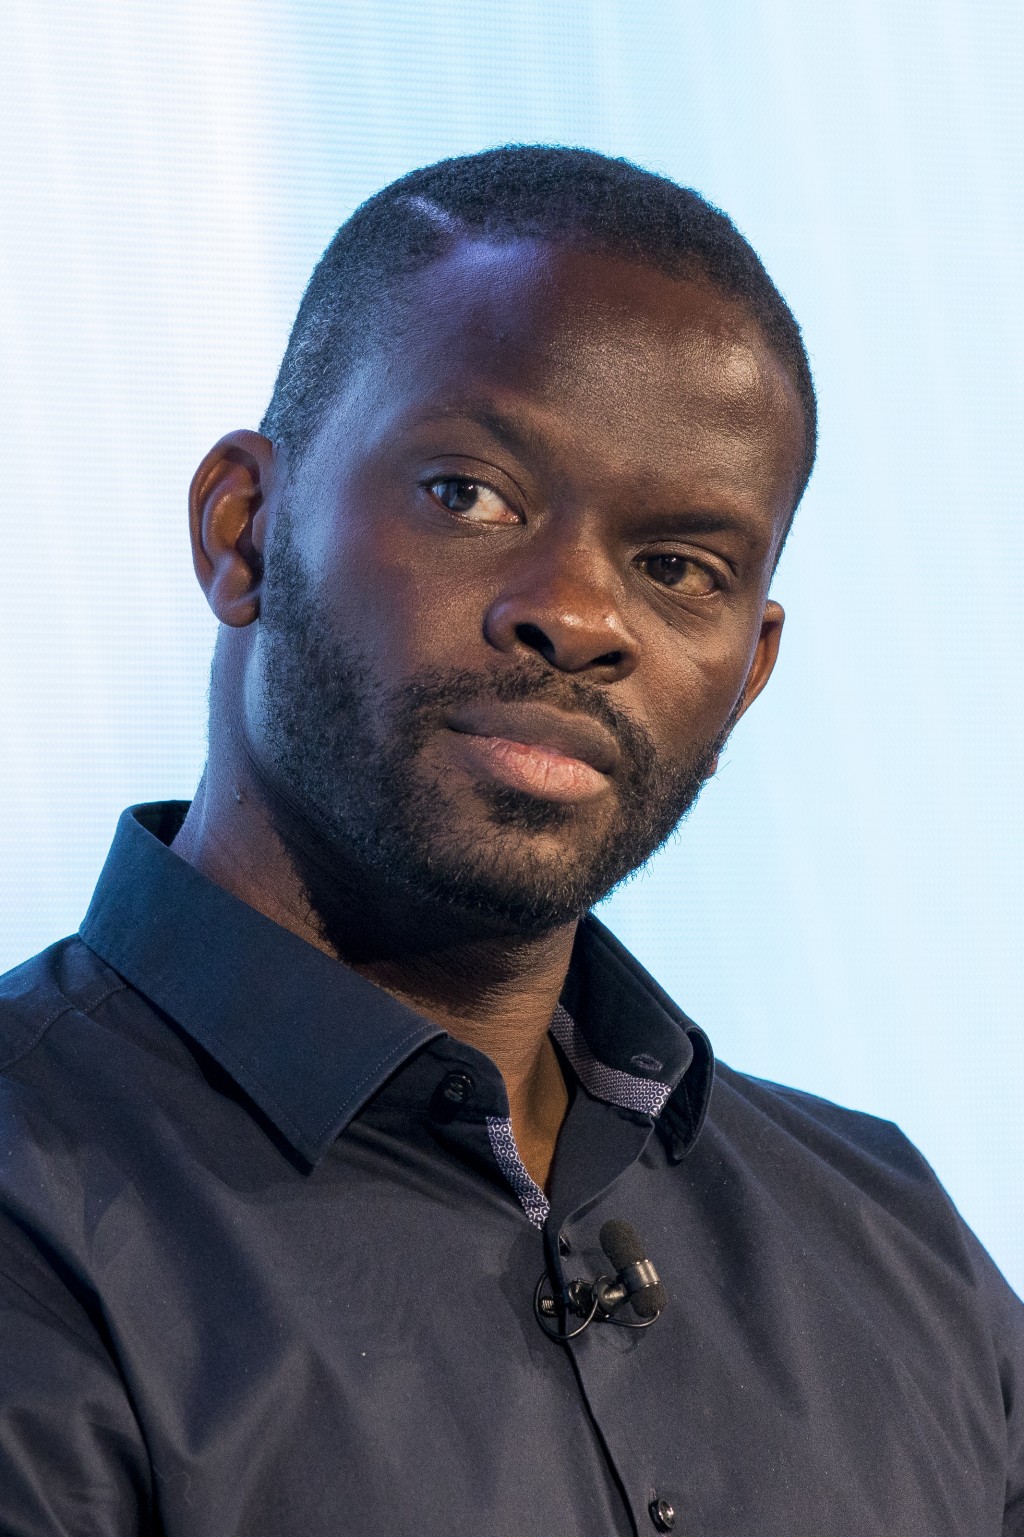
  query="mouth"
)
[{"x": 537, "y": 749}]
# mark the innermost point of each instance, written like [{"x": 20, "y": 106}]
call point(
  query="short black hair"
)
[{"x": 538, "y": 191}]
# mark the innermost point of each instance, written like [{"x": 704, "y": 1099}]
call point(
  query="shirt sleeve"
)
[
  {"x": 72, "y": 1459},
  {"x": 1006, "y": 1314},
  {"x": 1012, "y": 1372}
]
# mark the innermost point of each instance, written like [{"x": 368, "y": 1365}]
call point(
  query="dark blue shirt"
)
[{"x": 268, "y": 1258}]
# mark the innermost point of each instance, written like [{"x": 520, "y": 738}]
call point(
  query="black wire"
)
[
  {"x": 557, "y": 1334},
  {"x": 621, "y": 1323}
]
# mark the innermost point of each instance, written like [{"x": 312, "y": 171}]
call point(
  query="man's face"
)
[{"x": 516, "y": 587}]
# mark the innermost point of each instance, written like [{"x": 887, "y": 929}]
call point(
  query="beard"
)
[{"x": 343, "y": 765}]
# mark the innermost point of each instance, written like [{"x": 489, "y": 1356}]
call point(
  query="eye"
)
[
  {"x": 687, "y": 576},
  {"x": 472, "y": 500}
]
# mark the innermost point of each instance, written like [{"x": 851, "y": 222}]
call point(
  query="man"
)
[{"x": 354, "y": 1180}]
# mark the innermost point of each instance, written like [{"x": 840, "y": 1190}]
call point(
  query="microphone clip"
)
[{"x": 635, "y": 1281}]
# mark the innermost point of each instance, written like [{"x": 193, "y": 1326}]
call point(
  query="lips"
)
[
  {"x": 539, "y": 725},
  {"x": 536, "y": 748}
]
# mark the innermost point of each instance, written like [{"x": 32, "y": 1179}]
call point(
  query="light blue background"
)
[{"x": 843, "y": 910}]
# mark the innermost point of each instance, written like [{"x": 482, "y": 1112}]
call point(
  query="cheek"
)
[
  {"x": 396, "y": 602},
  {"x": 692, "y": 683}
]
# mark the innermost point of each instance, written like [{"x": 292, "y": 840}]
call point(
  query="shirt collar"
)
[{"x": 308, "y": 1038}]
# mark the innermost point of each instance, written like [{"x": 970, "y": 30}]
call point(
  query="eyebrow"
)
[
  {"x": 703, "y": 521},
  {"x": 514, "y": 433}
]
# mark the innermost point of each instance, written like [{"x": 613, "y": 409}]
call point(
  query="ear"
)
[
  {"x": 766, "y": 654},
  {"x": 227, "y": 520}
]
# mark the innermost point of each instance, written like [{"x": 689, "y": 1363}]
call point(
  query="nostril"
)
[
  {"x": 538, "y": 640},
  {"x": 533, "y": 636}
]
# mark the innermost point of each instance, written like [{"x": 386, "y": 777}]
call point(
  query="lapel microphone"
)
[{"x": 635, "y": 1281}]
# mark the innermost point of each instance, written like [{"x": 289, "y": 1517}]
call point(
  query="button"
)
[
  {"x": 564, "y": 1246},
  {"x": 663, "y": 1514},
  {"x": 457, "y": 1088}
]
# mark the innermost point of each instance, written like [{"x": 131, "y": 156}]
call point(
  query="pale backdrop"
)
[{"x": 843, "y": 911}]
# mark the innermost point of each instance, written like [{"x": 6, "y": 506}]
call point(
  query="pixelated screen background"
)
[{"x": 843, "y": 909}]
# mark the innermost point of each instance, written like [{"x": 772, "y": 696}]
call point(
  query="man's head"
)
[{"x": 501, "y": 593}]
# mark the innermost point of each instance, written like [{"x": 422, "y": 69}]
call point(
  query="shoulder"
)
[
  {"x": 76, "y": 1106},
  {"x": 55, "y": 1048},
  {"x": 65, "y": 979},
  {"x": 848, "y": 1183},
  {"x": 820, "y": 1125},
  {"x": 791, "y": 1134},
  {"x": 841, "y": 1209}
]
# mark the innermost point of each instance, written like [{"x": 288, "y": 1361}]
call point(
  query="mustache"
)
[{"x": 433, "y": 694}]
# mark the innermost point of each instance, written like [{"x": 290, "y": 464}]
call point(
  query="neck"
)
[{"x": 494, "y": 991}]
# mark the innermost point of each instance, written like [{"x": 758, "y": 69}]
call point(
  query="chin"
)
[
  {"x": 529, "y": 884},
  {"x": 518, "y": 811}
]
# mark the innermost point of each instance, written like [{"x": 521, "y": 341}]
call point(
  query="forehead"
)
[
  {"x": 620, "y": 361},
  {"x": 550, "y": 307}
]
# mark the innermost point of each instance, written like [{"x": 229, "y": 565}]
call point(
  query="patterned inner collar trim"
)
[
  {"x": 647, "y": 1095},
  {"x": 507, "y": 1156},
  {"x": 615, "y": 1087}
]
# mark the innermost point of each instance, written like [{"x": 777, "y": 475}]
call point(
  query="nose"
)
[{"x": 565, "y": 606}]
